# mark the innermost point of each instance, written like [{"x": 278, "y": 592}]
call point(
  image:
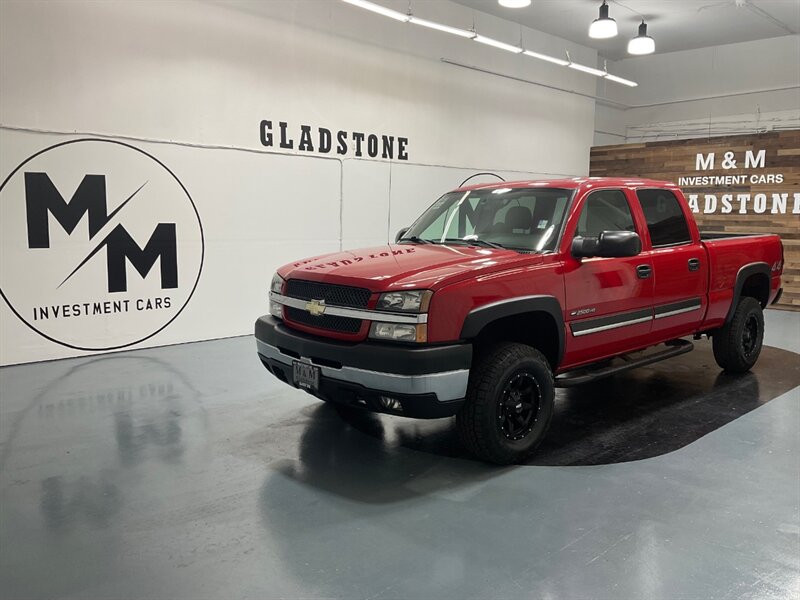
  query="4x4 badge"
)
[{"x": 316, "y": 307}]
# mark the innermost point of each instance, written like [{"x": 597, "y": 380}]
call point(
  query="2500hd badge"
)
[{"x": 528, "y": 286}]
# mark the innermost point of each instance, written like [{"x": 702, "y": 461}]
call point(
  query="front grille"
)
[
  {"x": 338, "y": 295},
  {"x": 330, "y": 322}
]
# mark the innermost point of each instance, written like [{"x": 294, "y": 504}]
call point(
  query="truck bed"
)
[
  {"x": 727, "y": 254},
  {"x": 710, "y": 236}
]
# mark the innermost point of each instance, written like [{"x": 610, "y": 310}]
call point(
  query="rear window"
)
[{"x": 665, "y": 219}]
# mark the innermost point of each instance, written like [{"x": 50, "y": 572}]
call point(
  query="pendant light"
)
[
  {"x": 642, "y": 43},
  {"x": 603, "y": 27},
  {"x": 471, "y": 34}
]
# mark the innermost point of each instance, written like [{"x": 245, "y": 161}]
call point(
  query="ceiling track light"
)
[
  {"x": 381, "y": 10},
  {"x": 552, "y": 59},
  {"x": 409, "y": 18},
  {"x": 603, "y": 27},
  {"x": 585, "y": 69},
  {"x": 616, "y": 79},
  {"x": 497, "y": 44},
  {"x": 642, "y": 43},
  {"x": 621, "y": 80},
  {"x": 439, "y": 27}
]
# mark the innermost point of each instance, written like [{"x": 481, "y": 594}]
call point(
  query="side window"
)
[
  {"x": 605, "y": 210},
  {"x": 665, "y": 219}
]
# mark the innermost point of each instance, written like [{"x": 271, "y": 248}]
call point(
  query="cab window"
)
[
  {"x": 605, "y": 210},
  {"x": 665, "y": 219}
]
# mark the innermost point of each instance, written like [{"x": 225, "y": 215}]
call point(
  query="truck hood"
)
[{"x": 404, "y": 266}]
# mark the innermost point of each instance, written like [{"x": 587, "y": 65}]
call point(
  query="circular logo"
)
[{"x": 102, "y": 246}]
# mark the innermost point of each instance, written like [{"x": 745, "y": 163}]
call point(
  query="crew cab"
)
[{"x": 500, "y": 293}]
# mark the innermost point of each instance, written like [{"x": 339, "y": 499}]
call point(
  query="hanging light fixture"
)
[
  {"x": 642, "y": 43},
  {"x": 471, "y": 34},
  {"x": 603, "y": 26},
  {"x": 514, "y": 3}
]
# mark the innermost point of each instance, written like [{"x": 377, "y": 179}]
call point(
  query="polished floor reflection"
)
[
  {"x": 187, "y": 472},
  {"x": 639, "y": 414}
]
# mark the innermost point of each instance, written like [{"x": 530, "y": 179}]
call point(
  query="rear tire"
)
[
  {"x": 509, "y": 404},
  {"x": 738, "y": 343}
]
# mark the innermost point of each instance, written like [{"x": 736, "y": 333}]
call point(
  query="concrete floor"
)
[{"x": 190, "y": 472}]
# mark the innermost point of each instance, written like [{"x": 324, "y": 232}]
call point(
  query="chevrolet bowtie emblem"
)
[{"x": 316, "y": 307}]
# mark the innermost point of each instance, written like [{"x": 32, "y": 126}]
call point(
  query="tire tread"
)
[
  {"x": 725, "y": 342},
  {"x": 473, "y": 421}
]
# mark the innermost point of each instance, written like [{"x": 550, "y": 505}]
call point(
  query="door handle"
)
[
  {"x": 694, "y": 264},
  {"x": 644, "y": 271}
]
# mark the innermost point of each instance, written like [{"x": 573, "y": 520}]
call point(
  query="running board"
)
[{"x": 587, "y": 374}]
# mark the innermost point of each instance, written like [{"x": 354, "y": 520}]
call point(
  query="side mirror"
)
[
  {"x": 608, "y": 244},
  {"x": 400, "y": 234}
]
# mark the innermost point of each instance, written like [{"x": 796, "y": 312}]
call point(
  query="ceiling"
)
[{"x": 674, "y": 24}]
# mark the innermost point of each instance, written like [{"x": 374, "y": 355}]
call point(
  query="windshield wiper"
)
[
  {"x": 414, "y": 238},
  {"x": 476, "y": 242}
]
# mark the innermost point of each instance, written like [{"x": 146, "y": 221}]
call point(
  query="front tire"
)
[
  {"x": 509, "y": 404},
  {"x": 738, "y": 343}
]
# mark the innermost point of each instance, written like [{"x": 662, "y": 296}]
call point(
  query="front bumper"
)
[{"x": 428, "y": 382}]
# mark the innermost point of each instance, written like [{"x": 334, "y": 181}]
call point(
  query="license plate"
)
[{"x": 305, "y": 375}]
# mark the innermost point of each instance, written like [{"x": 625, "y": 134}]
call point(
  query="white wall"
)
[
  {"x": 722, "y": 90},
  {"x": 189, "y": 83}
]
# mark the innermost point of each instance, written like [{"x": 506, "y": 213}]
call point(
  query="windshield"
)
[{"x": 517, "y": 218}]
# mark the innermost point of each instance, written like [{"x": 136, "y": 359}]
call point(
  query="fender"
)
[
  {"x": 480, "y": 317},
  {"x": 744, "y": 273}
]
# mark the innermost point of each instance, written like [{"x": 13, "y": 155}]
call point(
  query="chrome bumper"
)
[{"x": 447, "y": 385}]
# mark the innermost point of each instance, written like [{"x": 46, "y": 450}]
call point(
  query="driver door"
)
[{"x": 609, "y": 301}]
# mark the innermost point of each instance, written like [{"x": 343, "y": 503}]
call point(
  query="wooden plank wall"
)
[{"x": 673, "y": 160}]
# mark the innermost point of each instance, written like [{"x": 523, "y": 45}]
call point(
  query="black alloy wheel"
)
[
  {"x": 737, "y": 344},
  {"x": 750, "y": 335},
  {"x": 519, "y": 404},
  {"x": 509, "y": 403}
]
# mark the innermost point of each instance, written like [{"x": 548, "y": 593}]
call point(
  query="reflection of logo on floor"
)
[
  {"x": 128, "y": 411},
  {"x": 69, "y": 206}
]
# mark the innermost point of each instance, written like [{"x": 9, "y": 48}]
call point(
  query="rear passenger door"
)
[
  {"x": 680, "y": 269},
  {"x": 609, "y": 301}
]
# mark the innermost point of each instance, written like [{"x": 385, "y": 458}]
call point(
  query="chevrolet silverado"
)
[{"x": 500, "y": 293}]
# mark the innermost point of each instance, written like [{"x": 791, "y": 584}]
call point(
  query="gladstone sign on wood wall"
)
[{"x": 737, "y": 184}]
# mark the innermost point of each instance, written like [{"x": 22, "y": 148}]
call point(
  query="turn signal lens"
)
[{"x": 399, "y": 332}]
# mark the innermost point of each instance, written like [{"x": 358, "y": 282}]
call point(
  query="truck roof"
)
[{"x": 573, "y": 183}]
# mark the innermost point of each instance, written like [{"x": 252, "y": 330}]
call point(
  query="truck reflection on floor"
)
[{"x": 640, "y": 414}]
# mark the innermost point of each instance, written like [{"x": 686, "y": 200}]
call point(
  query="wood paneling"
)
[{"x": 673, "y": 160}]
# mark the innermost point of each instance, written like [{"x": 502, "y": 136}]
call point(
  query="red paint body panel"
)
[
  {"x": 464, "y": 278},
  {"x": 537, "y": 275}
]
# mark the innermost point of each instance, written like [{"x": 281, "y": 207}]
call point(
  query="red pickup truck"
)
[{"x": 499, "y": 293}]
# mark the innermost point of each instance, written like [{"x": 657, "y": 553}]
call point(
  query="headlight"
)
[
  {"x": 277, "y": 284},
  {"x": 275, "y": 309},
  {"x": 397, "y": 332},
  {"x": 416, "y": 301}
]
